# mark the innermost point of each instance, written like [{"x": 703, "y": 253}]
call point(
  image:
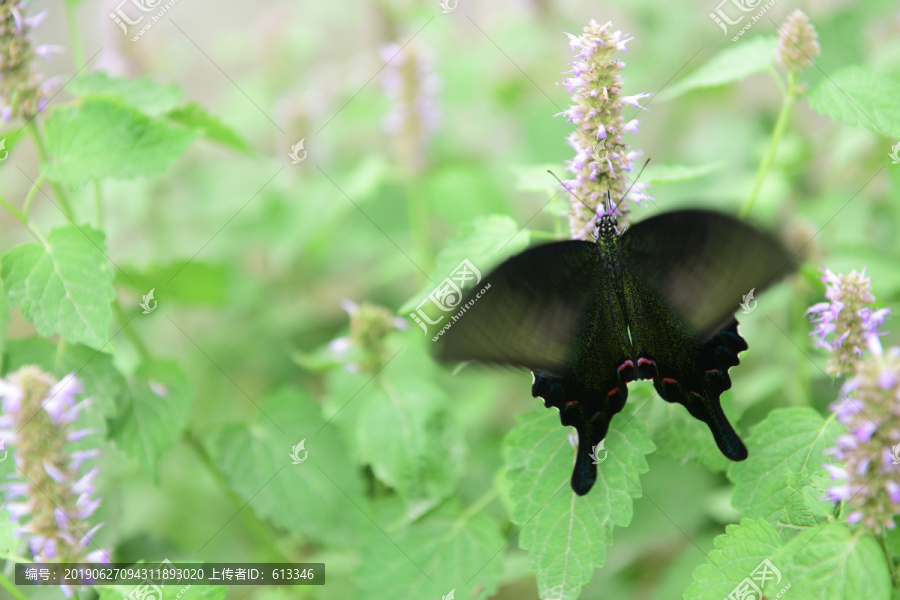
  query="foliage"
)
[{"x": 417, "y": 481}]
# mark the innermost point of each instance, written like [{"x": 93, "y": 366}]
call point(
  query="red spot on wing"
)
[
  {"x": 571, "y": 402},
  {"x": 625, "y": 364},
  {"x": 714, "y": 371},
  {"x": 645, "y": 361},
  {"x": 696, "y": 394},
  {"x": 612, "y": 392},
  {"x": 669, "y": 380}
]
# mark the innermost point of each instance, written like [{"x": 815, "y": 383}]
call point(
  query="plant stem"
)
[
  {"x": 12, "y": 589},
  {"x": 34, "y": 188},
  {"x": 74, "y": 34},
  {"x": 42, "y": 154},
  {"x": 417, "y": 209},
  {"x": 895, "y": 580},
  {"x": 98, "y": 203},
  {"x": 259, "y": 529},
  {"x": 780, "y": 126},
  {"x": 133, "y": 337},
  {"x": 13, "y": 211}
]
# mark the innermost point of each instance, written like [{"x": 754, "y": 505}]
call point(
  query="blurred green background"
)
[{"x": 275, "y": 247}]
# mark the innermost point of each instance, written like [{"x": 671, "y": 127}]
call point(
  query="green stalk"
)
[
  {"x": 133, "y": 337},
  {"x": 12, "y": 589},
  {"x": 259, "y": 529},
  {"x": 74, "y": 34},
  {"x": 417, "y": 209},
  {"x": 31, "y": 193},
  {"x": 13, "y": 211},
  {"x": 42, "y": 154},
  {"x": 777, "y": 133}
]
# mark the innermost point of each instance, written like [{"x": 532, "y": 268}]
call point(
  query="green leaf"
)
[
  {"x": 566, "y": 535},
  {"x": 152, "y": 99},
  {"x": 786, "y": 451},
  {"x": 410, "y": 440},
  {"x": 658, "y": 173},
  {"x": 682, "y": 437},
  {"x": 736, "y": 556},
  {"x": 456, "y": 554},
  {"x": 103, "y": 138},
  {"x": 154, "y": 414},
  {"x": 862, "y": 97},
  {"x": 485, "y": 242},
  {"x": 64, "y": 287},
  {"x": 193, "y": 116},
  {"x": 735, "y": 63},
  {"x": 831, "y": 563},
  {"x": 320, "y": 497},
  {"x": 4, "y": 318},
  {"x": 184, "y": 281}
]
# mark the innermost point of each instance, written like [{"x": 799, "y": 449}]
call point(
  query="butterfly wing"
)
[
  {"x": 529, "y": 311},
  {"x": 703, "y": 263},
  {"x": 685, "y": 368},
  {"x": 555, "y": 310}
]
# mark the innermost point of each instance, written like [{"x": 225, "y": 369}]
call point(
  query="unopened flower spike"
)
[
  {"x": 602, "y": 158},
  {"x": 798, "y": 42}
]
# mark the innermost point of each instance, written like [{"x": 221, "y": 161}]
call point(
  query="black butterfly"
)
[{"x": 655, "y": 302}]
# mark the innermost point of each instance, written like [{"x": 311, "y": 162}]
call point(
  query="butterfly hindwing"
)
[{"x": 703, "y": 263}]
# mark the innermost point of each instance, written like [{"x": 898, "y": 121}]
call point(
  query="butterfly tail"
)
[{"x": 585, "y": 473}]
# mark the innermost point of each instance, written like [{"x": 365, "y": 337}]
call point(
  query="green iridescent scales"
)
[{"x": 656, "y": 302}]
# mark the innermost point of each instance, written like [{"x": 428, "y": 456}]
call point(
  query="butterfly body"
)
[{"x": 588, "y": 318}]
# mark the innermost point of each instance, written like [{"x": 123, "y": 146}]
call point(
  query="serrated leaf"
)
[
  {"x": 832, "y": 563},
  {"x": 142, "y": 93},
  {"x": 736, "y": 556},
  {"x": 408, "y": 437},
  {"x": 99, "y": 377},
  {"x": 785, "y": 449},
  {"x": 104, "y": 138},
  {"x": 658, "y": 174},
  {"x": 683, "y": 438},
  {"x": 154, "y": 414},
  {"x": 566, "y": 535},
  {"x": 485, "y": 242},
  {"x": 194, "y": 116},
  {"x": 732, "y": 64},
  {"x": 188, "y": 282},
  {"x": 456, "y": 555},
  {"x": 64, "y": 287},
  {"x": 862, "y": 97},
  {"x": 320, "y": 497}
]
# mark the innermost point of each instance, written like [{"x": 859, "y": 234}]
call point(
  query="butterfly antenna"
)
[
  {"x": 571, "y": 191},
  {"x": 633, "y": 183}
]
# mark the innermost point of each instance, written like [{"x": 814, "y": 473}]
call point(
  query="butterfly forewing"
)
[
  {"x": 703, "y": 263},
  {"x": 529, "y": 312}
]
